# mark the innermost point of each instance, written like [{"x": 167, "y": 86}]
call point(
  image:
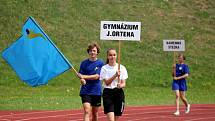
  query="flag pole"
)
[
  {"x": 119, "y": 49},
  {"x": 174, "y": 71},
  {"x": 74, "y": 70}
]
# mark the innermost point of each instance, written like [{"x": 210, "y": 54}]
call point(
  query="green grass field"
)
[{"x": 72, "y": 24}]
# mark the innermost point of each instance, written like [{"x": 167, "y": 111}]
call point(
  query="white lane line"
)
[
  {"x": 81, "y": 119},
  {"x": 42, "y": 112},
  {"x": 149, "y": 118},
  {"x": 155, "y": 117},
  {"x": 164, "y": 108},
  {"x": 36, "y": 112},
  {"x": 5, "y": 120},
  {"x": 125, "y": 114},
  {"x": 196, "y": 119},
  {"x": 128, "y": 110},
  {"x": 192, "y": 110},
  {"x": 26, "y": 119},
  {"x": 168, "y": 106}
]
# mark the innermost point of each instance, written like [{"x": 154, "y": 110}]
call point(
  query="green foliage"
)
[{"x": 72, "y": 24}]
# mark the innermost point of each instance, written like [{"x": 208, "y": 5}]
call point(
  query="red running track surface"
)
[{"x": 199, "y": 112}]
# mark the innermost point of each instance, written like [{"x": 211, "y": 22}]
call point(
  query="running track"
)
[{"x": 203, "y": 112}]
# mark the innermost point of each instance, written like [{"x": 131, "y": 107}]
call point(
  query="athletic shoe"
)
[
  {"x": 187, "y": 109},
  {"x": 177, "y": 113}
]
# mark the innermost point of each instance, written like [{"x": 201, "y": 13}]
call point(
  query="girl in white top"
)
[{"x": 113, "y": 94}]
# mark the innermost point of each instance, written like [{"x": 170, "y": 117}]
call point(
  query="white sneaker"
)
[
  {"x": 187, "y": 109},
  {"x": 177, "y": 113}
]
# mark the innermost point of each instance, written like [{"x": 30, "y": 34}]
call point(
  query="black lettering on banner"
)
[
  {"x": 170, "y": 42},
  {"x": 135, "y": 27},
  {"x": 118, "y": 26},
  {"x": 173, "y": 47},
  {"x": 109, "y": 25},
  {"x": 178, "y": 43},
  {"x": 113, "y": 26},
  {"x": 120, "y": 34},
  {"x": 132, "y": 34},
  {"x": 176, "y": 47},
  {"x": 128, "y": 34},
  {"x": 117, "y": 33},
  {"x": 108, "y": 34},
  {"x": 121, "y": 26},
  {"x": 126, "y": 26},
  {"x": 105, "y": 26}
]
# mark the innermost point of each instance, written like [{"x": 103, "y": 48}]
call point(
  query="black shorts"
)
[
  {"x": 94, "y": 100},
  {"x": 113, "y": 101}
]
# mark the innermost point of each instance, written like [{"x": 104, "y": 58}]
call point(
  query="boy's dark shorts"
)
[{"x": 94, "y": 100}]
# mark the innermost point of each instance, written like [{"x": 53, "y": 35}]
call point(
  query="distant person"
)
[
  {"x": 179, "y": 86},
  {"x": 113, "y": 94},
  {"x": 91, "y": 89}
]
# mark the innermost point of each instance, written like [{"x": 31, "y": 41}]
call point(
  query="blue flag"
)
[{"x": 34, "y": 57}]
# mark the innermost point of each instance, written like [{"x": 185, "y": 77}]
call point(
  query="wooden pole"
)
[
  {"x": 174, "y": 71},
  {"x": 119, "y": 49},
  {"x": 74, "y": 70}
]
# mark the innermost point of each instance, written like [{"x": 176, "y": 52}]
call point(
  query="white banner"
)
[
  {"x": 173, "y": 45},
  {"x": 120, "y": 30}
]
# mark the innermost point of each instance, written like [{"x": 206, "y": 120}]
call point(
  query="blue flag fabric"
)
[{"x": 34, "y": 57}]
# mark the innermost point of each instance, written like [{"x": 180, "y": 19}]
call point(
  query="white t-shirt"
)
[{"x": 108, "y": 71}]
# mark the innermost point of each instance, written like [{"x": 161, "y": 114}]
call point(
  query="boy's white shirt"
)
[{"x": 108, "y": 71}]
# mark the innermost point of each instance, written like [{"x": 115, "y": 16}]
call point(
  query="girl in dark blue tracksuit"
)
[{"x": 179, "y": 86}]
